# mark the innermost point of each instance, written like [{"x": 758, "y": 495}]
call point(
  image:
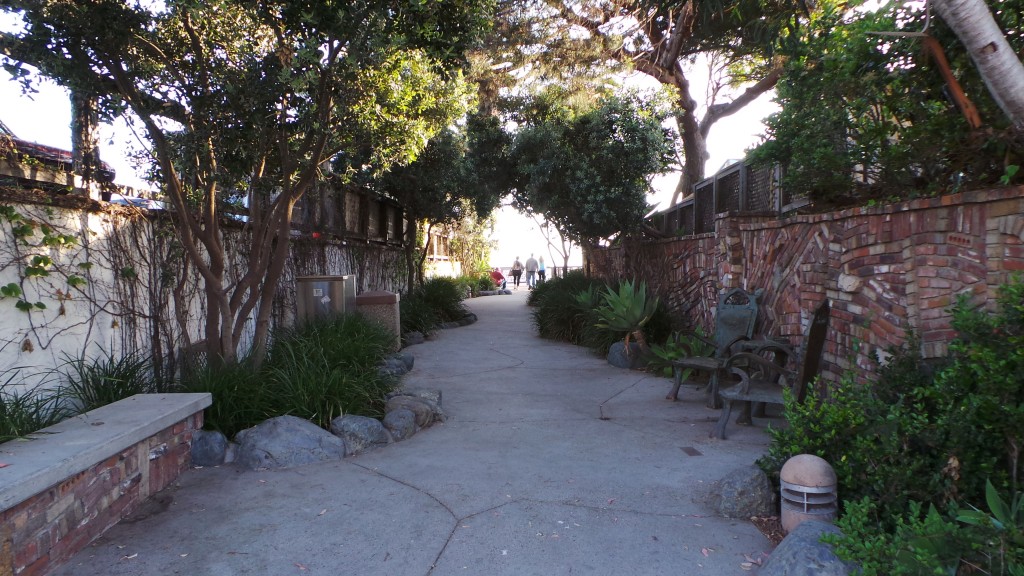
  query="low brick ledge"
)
[
  {"x": 66, "y": 485},
  {"x": 59, "y": 452}
]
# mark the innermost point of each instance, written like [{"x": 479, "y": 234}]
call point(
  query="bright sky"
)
[{"x": 45, "y": 118}]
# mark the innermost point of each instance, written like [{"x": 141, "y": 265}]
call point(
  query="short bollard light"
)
[{"x": 808, "y": 491}]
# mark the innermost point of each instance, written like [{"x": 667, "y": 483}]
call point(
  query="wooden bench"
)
[{"x": 763, "y": 375}]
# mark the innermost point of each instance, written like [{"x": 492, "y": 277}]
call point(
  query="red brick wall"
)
[
  {"x": 46, "y": 530},
  {"x": 886, "y": 269}
]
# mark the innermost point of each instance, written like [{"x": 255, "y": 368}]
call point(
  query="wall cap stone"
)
[{"x": 52, "y": 455}]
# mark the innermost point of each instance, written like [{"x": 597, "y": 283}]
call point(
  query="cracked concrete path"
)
[{"x": 551, "y": 462}]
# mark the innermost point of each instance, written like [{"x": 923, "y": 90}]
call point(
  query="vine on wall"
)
[{"x": 79, "y": 276}]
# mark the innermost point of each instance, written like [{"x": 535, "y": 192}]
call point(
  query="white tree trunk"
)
[{"x": 1002, "y": 71}]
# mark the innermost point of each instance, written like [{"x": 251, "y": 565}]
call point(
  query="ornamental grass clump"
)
[
  {"x": 91, "y": 382},
  {"x": 329, "y": 367},
  {"x": 318, "y": 370},
  {"x": 25, "y": 411}
]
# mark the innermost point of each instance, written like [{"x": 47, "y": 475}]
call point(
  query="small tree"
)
[
  {"x": 587, "y": 170},
  {"x": 242, "y": 102}
]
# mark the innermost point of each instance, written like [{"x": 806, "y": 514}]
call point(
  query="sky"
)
[{"x": 45, "y": 118}]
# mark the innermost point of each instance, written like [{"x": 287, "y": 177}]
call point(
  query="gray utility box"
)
[{"x": 321, "y": 296}]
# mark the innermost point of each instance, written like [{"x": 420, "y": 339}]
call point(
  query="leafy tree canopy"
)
[
  {"x": 246, "y": 99},
  {"x": 868, "y": 115},
  {"x": 586, "y": 169}
]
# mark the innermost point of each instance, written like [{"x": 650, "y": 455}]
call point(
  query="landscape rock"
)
[
  {"x": 418, "y": 406},
  {"x": 431, "y": 395},
  {"x": 802, "y": 554},
  {"x": 360, "y": 433},
  {"x": 285, "y": 442},
  {"x": 401, "y": 423},
  {"x": 744, "y": 492},
  {"x": 617, "y": 355},
  {"x": 209, "y": 448},
  {"x": 413, "y": 338},
  {"x": 393, "y": 366},
  {"x": 408, "y": 359}
]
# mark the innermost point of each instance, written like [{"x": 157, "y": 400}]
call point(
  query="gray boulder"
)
[
  {"x": 360, "y": 433},
  {"x": 393, "y": 366},
  {"x": 802, "y": 554},
  {"x": 418, "y": 406},
  {"x": 285, "y": 442},
  {"x": 412, "y": 338},
  {"x": 431, "y": 395},
  {"x": 617, "y": 355},
  {"x": 401, "y": 423},
  {"x": 209, "y": 448},
  {"x": 408, "y": 359},
  {"x": 744, "y": 492}
]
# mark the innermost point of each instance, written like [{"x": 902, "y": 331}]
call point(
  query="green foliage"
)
[
  {"x": 25, "y": 411},
  {"x": 676, "y": 347},
  {"x": 240, "y": 395},
  {"x": 417, "y": 315},
  {"x": 915, "y": 544},
  {"x": 586, "y": 170},
  {"x": 255, "y": 97},
  {"x": 865, "y": 116},
  {"x": 626, "y": 310},
  {"x": 444, "y": 296},
  {"x": 93, "y": 382},
  {"x": 318, "y": 371},
  {"x": 327, "y": 368},
  {"x": 926, "y": 437},
  {"x": 1009, "y": 174},
  {"x": 560, "y": 313},
  {"x": 1001, "y": 528}
]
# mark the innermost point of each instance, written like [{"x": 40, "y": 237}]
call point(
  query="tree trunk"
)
[
  {"x": 85, "y": 138},
  {"x": 999, "y": 67},
  {"x": 695, "y": 154},
  {"x": 410, "y": 254}
]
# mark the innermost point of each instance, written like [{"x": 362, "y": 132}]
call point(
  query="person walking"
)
[
  {"x": 517, "y": 271},
  {"x": 540, "y": 271},
  {"x": 531, "y": 272}
]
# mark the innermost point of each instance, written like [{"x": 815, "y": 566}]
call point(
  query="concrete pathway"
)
[{"x": 552, "y": 462}]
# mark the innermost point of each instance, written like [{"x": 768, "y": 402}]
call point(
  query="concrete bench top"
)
[{"x": 53, "y": 454}]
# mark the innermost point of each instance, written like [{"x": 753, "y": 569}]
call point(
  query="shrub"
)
[
  {"x": 417, "y": 315},
  {"x": 559, "y": 315},
  {"x": 675, "y": 347},
  {"x": 240, "y": 393},
  {"x": 323, "y": 369},
  {"x": 444, "y": 296},
  {"x": 318, "y": 370},
  {"x": 921, "y": 443},
  {"x": 94, "y": 382}
]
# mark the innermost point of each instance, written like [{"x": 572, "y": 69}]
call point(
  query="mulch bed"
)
[{"x": 770, "y": 526}]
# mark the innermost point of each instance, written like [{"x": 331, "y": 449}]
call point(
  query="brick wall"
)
[
  {"x": 886, "y": 269},
  {"x": 47, "y": 529}
]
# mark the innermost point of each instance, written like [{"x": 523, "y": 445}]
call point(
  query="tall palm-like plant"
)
[{"x": 627, "y": 310}]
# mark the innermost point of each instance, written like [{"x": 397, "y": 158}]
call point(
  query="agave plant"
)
[{"x": 627, "y": 310}]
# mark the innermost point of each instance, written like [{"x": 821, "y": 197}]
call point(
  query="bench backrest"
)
[
  {"x": 735, "y": 318},
  {"x": 813, "y": 351}
]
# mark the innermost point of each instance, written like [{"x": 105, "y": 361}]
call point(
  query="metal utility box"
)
[{"x": 320, "y": 296}]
